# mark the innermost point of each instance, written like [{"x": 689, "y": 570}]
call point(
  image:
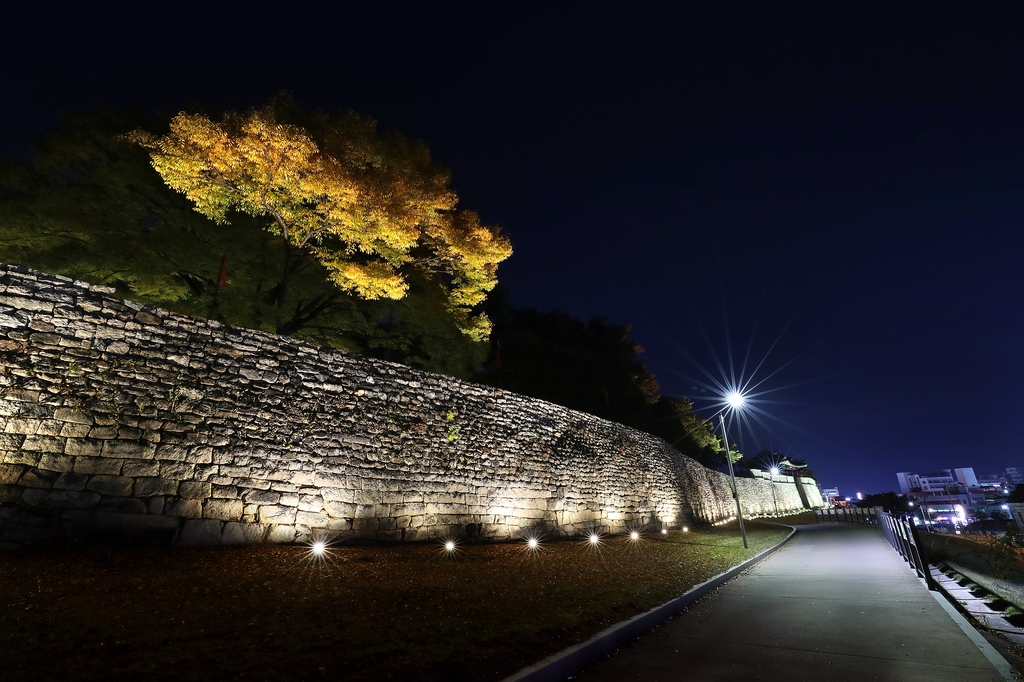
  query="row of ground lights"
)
[{"x": 318, "y": 549}]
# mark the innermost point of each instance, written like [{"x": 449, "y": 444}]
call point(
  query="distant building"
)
[
  {"x": 966, "y": 477},
  {"x": 932, "y": 482},
  {"x": 954, "y": 495},
  {"x": 1014, "y": 475}
]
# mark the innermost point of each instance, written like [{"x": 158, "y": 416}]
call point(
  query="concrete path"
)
[{"x": 836, "y": 604}]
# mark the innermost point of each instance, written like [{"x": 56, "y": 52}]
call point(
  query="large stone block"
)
[
  {"x": 147, "y": 486},
  {"x": 340, "y": 509},
  {"x": 10, "y": 473},
  {"x": 83, "y": 447},
  {"x": 190, "y": 509},
  {"x": 97, "y": 465},
  {"x": 225, "y": 510},
  {"x": 312, "y": 520},
  {"x": 21, "y": 426},
  {"x": 194, "y": 490},
  {"x": 311, "y": 503},
  {"x": 277, "y": 514},
  {"x": 243, "y": 533},
  {"x": 200, "y": 532},
  {"x": 33, "y": 478},
  {"x": 262, "y": 497},
  {"x": 61, "y": 499},
  {"x": 65, "y": 414},
  {"x": 140, "y": 467},
  {"x": 10, "y": 493},
  {"x": 123, "y": 505},
  {"x": 11, "y": 441},
  {"x": 50, "y": 444},
  {"x": 49, "y": 428},
  {"x": 178, "y": 470},
  {"x": 115, "y": 486},
  {"x": 281, "y": 534},
  {"x": 52, "y": 462},
  {"x": 71, "y": 481},
  {"x": 128, "y": 449},
  {"x": 22, "y": 457}
]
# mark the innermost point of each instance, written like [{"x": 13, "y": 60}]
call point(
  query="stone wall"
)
[{"x": 126, "y": 423}]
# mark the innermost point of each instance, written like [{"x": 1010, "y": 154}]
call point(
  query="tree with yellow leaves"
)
[{"x": 367, "y": 206}]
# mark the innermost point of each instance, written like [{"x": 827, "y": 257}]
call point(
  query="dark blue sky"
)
[{"x": 848, "y": 178}]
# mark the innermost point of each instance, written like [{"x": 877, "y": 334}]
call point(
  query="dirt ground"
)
[{"x": 403, "y": 612}]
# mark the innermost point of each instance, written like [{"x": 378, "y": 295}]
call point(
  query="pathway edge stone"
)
[{"x": 578, "y": 657}]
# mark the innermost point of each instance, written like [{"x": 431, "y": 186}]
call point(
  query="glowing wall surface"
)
[{"x": 120, "y": 422}]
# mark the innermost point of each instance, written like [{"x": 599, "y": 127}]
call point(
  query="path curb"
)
[{"x": 577, "y": 658}]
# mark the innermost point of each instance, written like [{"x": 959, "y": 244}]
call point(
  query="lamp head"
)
[{"x": 735, "y": 399}]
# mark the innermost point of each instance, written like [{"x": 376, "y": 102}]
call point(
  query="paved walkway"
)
[{"x": 837, "y": 603}]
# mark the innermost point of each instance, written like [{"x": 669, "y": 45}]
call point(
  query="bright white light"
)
[
  {"x": 594, "y": 538},
  {"x": 317, "y": 551},
  {"x": 775, "y": 471},
  {"x": 532, "y": 543},
  {"x": 686, "y": 529},
  {"x": 449, "y": 547},
  {"x": 1006, "y": 507},
  {"x": 664, "y": 531},
  {"x": 911, "y": 504},
  {"x": 634, "y": 536},
  {"x": 735, "y": 399}
]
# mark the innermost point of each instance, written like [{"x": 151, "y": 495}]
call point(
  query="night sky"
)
[{"x": 837, "y": 189}]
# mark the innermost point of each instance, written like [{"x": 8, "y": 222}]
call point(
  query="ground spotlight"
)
[
  {"x": 449, "y": 547},
  {"x": 318, "y": 550}
]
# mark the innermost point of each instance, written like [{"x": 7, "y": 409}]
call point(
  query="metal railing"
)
[
  {"x": 853, "y": 515},
  {"x": 903, "y": 536}
]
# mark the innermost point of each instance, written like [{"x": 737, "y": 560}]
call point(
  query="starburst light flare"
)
[
  {"x": 449, "y": 547},
  {"x": 318, "y": 550}
]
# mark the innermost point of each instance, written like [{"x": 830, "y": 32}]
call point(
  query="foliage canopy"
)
[
  {"x": 90, "y": 206},
  {"x": 364, "y": 205}
]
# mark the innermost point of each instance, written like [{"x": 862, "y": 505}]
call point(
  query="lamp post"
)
[
  {"x": 773, "y": 471},
  {"x": 735, "y": 401}
]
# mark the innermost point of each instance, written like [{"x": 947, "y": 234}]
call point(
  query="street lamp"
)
[
  {"x": 735, "y": 400},
  {"x": 774, "y": 471}
]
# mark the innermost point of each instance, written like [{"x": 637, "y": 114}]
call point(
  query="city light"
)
[{"x": 735, "y": 399}]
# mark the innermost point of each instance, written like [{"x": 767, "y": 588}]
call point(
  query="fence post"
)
[{"x": 923, "y": 553}]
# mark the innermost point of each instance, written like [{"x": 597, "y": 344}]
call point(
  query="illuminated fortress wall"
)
[{"x": 126, "y": 423}]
